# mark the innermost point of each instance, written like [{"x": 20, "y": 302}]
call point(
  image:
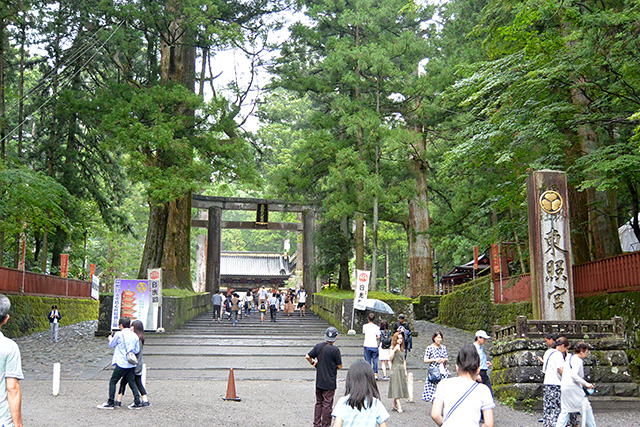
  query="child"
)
[{"x": 361, "y": 406}]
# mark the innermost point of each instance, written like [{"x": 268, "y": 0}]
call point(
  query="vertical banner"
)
[
  {"x": 132, "y": 298},
  {"x": 95, "y": 287},
  {"x": 92, "y": 271},
  {"x": 475, "y": 257},
  {"x": 64, "y": 265},
  {"x": 495, "y": 259},
  {"x": 362, "y": 288},
  {"x": 155, "y": 286}
]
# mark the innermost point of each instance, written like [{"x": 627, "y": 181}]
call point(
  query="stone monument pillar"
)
[{"x": 550, "y": 246}]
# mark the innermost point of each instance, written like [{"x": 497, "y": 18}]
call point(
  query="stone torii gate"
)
[{"x": 214, "y": 225}]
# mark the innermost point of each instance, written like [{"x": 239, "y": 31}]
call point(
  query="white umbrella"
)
[{"x": 375, "y": 305}]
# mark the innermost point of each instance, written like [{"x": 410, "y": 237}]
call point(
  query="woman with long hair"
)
[
  {"x": 384, "y": 352},
  {"x": 460, "y": 401},
  {"x": 436, "y": 356},
  {"x": 137, "y": 327},
  {"x": 398, "y": 387},
  {"x": 361, "y": 405},
  {"x": 572, "y": 396}
]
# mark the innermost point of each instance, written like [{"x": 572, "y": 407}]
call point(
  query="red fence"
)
[
  {"x": 11, "y": 282},
  {"x": 617, "y": 274}
]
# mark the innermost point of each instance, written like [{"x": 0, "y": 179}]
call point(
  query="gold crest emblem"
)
[{"x": 551, "y": 202}]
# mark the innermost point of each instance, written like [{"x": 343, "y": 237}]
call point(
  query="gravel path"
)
[{"x": 279, "y": 402}]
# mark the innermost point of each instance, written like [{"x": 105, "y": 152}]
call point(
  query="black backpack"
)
[{"x": 385, "y": 338}]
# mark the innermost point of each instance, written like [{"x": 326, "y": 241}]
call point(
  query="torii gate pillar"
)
[
  {"x": 309, "y": 251},
  {"x": 214, "y": 248}
]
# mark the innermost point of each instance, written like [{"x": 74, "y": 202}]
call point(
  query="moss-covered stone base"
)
[
  {"x": 29, "y": 313},
  {"x": 426, "y": 307}
]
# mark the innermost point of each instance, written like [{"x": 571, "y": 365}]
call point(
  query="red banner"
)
[
  {"x": 475, "y": 257},
  {"x": 495, "y": 258},
  {"x": 64, "y": 265},
  {"x": 92, "y": 271}
]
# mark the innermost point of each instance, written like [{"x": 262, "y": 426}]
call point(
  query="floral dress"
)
[{"x": 433, "y": 352}]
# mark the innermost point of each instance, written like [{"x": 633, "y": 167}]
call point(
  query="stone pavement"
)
[{"x": 187, "y": 395}]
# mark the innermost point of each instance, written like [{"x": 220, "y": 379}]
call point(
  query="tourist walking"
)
[
  {"x": 402, "y": 326},
  {"x": 235, "y": 307},
  {"x": 54, "y": 322},
  {"x": 481, "y": 338},
  {"x": 384, "y": 351},
  {"x": 288, "y": 304},
  {"x": 302, "y": 301},
  {"x": 573, "y": 397},
  {"x": 10, "y": 372},
  {"x": 123, "y": 342},
  {"x": 273, "y": 306},
  {"x": 460, "y": 401},
  {"x": 227, "y": 306},
  {"x": 248, "y": 302},
  {"x": 398, "y": 388},
  {"x": 138, "y": 328},
  {"x": 552, "y": 367},
  {"x": 371, "y": 333},
  {"x": 262, "y": 307},
  {"x": 361, "y": 405},
  {"x": 326, "y": 358},
  {"x": 436, "y": 356},
  {"x": 216, "y": 303}
]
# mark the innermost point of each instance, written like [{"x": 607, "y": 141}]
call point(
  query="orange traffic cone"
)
[{"x": 231, "y": 388}]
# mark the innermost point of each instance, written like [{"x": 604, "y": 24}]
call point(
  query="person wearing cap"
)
[
  {"x": 481, "y": 338},
  {"x": 326, "y": 358}
]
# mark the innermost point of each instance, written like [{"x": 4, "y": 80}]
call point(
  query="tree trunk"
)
[
  {"x": 168, "y": 243},
  {"x": 344, "y": 278},
  {"x": 603, "y": 227},
  {"x": 154, "y": 241},
  {"x": 176, "y": 257},
  {"x": 359, "y": 236},
  {"x": 420, "y": 261}
]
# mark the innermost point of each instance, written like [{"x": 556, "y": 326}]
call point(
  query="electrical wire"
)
[{"x": 64, "y": 83}]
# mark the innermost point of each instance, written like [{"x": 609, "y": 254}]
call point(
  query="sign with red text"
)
[{"x": 362, "y": 288}]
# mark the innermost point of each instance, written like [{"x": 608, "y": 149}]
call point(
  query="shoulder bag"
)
[{"x": 455, "y": 405}]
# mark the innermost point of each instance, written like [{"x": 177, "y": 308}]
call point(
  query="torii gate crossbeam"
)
[{"x": 214, "y": 225}]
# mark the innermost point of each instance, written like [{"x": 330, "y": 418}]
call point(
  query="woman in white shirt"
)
[
  {"x": 573, "y": 397},
  {"x": 552, "y": 366},
  {"x": 459, "y": 401}
]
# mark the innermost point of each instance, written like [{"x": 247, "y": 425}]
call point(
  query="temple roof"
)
[{"x": 254, "y": 264}]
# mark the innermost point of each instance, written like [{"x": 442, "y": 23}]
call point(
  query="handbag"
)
[
  {"x": 132, "y": 358},
  {"x": 434, "y": 375}
]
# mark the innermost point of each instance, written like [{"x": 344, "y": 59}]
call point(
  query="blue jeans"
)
[{"x": 371, "y": 357}]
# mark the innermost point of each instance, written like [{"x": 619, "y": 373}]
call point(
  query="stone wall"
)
[
  {"x": 517, "y": 376},
  {"x": 29, "y": 313},
  {"x": 176, "y": 311},
  {"x": 426, "y": 307},
  {"x": 337, "y": 311}
]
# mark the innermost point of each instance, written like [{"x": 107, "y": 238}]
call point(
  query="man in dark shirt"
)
[{"x": 326, "y": 358}]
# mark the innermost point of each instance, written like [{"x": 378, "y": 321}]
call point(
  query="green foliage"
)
[{"x": 469, "y": 307}]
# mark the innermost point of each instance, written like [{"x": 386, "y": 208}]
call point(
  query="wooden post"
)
[
  {"x": 550, "y": 246},
  {"x": 214, "y": 248},
  {"x": 308, "y": 253}
]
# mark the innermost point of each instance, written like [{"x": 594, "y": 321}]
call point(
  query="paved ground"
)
[{"x": 276, "y": 400}]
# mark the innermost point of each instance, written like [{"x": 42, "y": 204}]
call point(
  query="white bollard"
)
[
  {"x": 410, "y": 386},
  {"x": 143, "y": 377},
  {"x": 56, "y": 379}
]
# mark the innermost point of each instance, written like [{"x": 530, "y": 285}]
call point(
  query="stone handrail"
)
[{"x": 572, "y": 329}]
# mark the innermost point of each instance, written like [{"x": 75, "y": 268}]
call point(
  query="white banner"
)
[
  {"x": 95, "y": 287},
  {"x": 362, "y": 288},
  {"x": 155, "y": 286}
]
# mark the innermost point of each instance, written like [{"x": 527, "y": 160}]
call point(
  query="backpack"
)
[{"x": 385, "y": 339}]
